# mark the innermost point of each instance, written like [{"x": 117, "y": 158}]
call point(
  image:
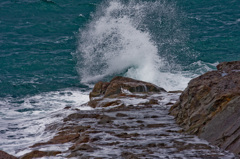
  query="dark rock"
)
[
  {"x": 65, "y": 135},
  {"x": 121, "y": 87},
  {"x": 121, "y": 115},
  {"x": 77, "y": 116},
  {"x": 229, "y": 66},
  {"x": 36, "y": 154},
  {"x": 129, "y": 155},
  {"x": 99, "y": 89},
  {"x": 155, "y": 125},
  {"x": 126, "y": 135},
  {"x": 210, "y": 107},
  {"x": 118, "y": 84},
  {"x": 130, "y": 127},
  {"x": 177, "y": 91},
  {"x": 83, "y": 147},
  {"x": 103, "y": 103},
  {"x": 4, "y": 155},
  {"x": 104, "y": 119}
]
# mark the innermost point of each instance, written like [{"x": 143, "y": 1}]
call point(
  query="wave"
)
[
  {"x": 24, "y": 121},
  {"x": 130, "y": 39}
]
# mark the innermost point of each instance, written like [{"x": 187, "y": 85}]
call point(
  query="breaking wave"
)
[{"x": 120, "y": 40}]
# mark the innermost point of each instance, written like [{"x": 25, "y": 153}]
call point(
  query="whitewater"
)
[
  {"x": 143, "y": 40},
  {"x": 118, "y": 41}
]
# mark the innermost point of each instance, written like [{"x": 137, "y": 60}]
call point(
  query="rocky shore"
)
[
  {"x": 130, "y": 119},
  {"x": 210, "y": 107}
]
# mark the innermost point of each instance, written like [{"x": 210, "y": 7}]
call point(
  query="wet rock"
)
[
  {"x": 104, "y": 119},
  {"x": 126, "y": 135},
  {"x": 4, "y": 155},
  {"x": 83, "y": 147},
  {"x": 125, "y": 125},
  {"x": 109, "y": 94},
  {"x": 99, "y": 89},
  {"x": 121, "y": 115},
  {"x": 177, "y": 91},
  {"x": 210, "y": 107},
  {"x": 120, "y": 84},
  {"x": 227, "y": 67},
  {"x": 60, "y": 138},
  {"x": 129, "y": 155},
  {"x": 79, "y": 116},
  {"x": 104, "y": 103},
  {"x": 65, "y": 135},
  {"x": 36, "y": 154},
  {"x": 155, "y": 125}
]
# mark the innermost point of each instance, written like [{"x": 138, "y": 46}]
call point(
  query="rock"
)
[
  {"x": 65, "y": 135},
  {"x": 106, "y": 94},
  {"x": 210, "y": 107},
  {"x": 99, "y": 89},
  {"x": 125, "y": 124},
  {"x": 36, "y": 154},
  {"x": 178, "y": 91},
  {"x": 129, "y": 155},
  {"x": 120, "y": 84},
  {"x": 4, "y": 155}
]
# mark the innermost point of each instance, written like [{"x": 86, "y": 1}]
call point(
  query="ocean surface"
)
[{"x": 53, "y": 51}]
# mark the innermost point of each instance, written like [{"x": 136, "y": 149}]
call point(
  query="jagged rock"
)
[
  {"x": 210, "y": 107},
  {"x": 119, "y": 84},
  {"x": 4, "y": 155}
]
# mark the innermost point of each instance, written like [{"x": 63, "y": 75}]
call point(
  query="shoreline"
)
[{"x": 130, "y": 118}]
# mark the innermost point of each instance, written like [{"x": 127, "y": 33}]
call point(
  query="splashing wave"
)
[{"x": 118, "y": 41}]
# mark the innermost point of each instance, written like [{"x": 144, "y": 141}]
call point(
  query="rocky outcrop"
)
[
  {"x": 120, "y": 84},
  {"x": 105, "y": 94},
  {"x": 130, "y": 120},
  {"x": 210, "y": 107},
  {"x": 4, "y": 155}
]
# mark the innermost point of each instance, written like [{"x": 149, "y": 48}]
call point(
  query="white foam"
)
[
  {"x": 201, "y": 67},
  {"x": 118, "y": 41},
  {"x": 23, "y": 123},
  {"x": 134, "y": 101},
  {"x": 125, "y": 91}
]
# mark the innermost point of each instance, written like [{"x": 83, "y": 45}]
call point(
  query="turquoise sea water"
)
[
  {"x": 52, "y": 50},
  {"x": 38, "y": 39}
]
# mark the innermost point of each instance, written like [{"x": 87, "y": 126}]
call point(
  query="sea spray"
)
[{"x": 118, "y": 41}]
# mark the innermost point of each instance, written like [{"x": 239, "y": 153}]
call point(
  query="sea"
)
[{"x": 52, "y": 52}]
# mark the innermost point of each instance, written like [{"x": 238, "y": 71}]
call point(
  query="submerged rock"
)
[{"x": 210, "y": 107}]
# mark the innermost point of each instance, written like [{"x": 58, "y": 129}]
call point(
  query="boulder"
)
[
  {"x": 106, "y": 94},
  {"x": 210, "y": 107},
  {"x": 120, "y": 84}
]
